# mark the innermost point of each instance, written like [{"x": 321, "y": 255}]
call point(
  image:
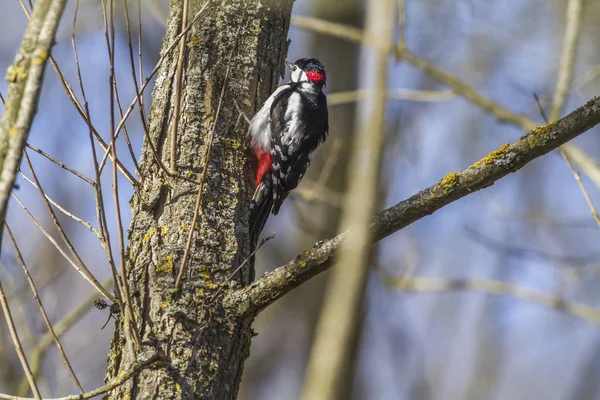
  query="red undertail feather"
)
[{"x": 264, "y": 166}]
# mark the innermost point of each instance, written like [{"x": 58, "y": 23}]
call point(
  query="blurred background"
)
[{"x": 532, "y": 230}]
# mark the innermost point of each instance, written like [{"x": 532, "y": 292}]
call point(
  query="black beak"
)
[{"x": 289, "y": 65}]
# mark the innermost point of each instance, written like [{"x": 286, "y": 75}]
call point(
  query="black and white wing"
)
[{"x": 298, "y": 126}]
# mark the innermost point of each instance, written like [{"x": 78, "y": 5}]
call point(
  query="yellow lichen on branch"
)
[
  {"x": 494, "y": 155},
  {"x": 449, "y": 181},
  {"x": 538, "y": 136}
]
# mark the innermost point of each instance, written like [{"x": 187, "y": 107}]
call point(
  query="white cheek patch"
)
[
  {"x": 296, "y": 74},
  {"x": 299, "y": 76}
]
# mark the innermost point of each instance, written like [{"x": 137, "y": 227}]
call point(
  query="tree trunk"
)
[{"x": 202, "y": 344}]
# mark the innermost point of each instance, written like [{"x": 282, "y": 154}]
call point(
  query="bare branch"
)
[
  {"x": 38, "y": 353},
  {"x": 567, "y": 58},
  {"x": 401, "y": 20},
  {"x": 75, "y": 101},
  {"x": 62, "y": 232},
  {"x": 131, "y": 326},
  {"x": 140, "y": 64},
  {"x": 87, "y": 275},
  {"x": 86, "y": 224},
  {"x": 36, "y": 296},
  {"x": 509, "y": 158},
  {"x": 339, "y": 322},
  {"x": 178, "y": 78},
  {"x": 102, "y": 231},
  {"x": 581, "y": 261},
  {"x": 26, "y": 76},
  {"x": 563, "y": 86},
  {"x": 55, "y": 161},
  {"x": 339, "y": 98},
  {"x": 135, "y": 82},
  {"x": 107, "y": 149},
  {"x": 587, "y": 164},
  {"x": 586, "y": 195},
  {"x": 436, "y": 285},
  {"x": 135, "y": 369},
  {"x": 17, "y": 343}
]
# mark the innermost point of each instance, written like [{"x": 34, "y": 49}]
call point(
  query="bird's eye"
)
[{"x": 295, "y": 67}]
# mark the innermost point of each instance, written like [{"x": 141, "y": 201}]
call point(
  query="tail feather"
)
[{"x": 262, "y": 204}]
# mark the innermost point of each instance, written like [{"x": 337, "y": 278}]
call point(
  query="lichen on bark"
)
[{"x": 203, "y": 343}]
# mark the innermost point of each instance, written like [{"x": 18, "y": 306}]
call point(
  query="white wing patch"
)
[{"x": 260, "y": 126}]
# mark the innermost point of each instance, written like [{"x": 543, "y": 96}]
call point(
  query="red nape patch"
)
[
  {"x": 318, "y": 77},
  {"x": 264, "y": 166}
]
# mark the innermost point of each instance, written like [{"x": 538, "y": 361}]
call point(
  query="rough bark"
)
[{"x": 202, "y": 344}]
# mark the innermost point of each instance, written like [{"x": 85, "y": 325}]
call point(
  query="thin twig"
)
[
  {"x": 563, "y": 86},
  {"x": 131, "y": 325},
  {"x": 567, "y": 58},
  {"x": 85, "y": 273},
  {"x": 586, "y": 195},
  {"x": 422, "y": 285},
  {"x": 62, "y": 326},
  {"x": 253, "y": 298},
  {"x": 135, "y": 84},
  {"x": 25, "y": 10},
  {"x": 86, "y": 224},
  {"x": 107, "y": 149},
  {"x": 325, "y": 194},
  {"x": 103, "y": 234},
  {"x": 587, "y": 77},
  {"x": 140, "y": 96},
  {"x": 125, "y": 132},
  {"x": 202, "y": 176},
  {"x": 61, "y": 231},
  {"x": 80, "y": 109},
  {"x": 140, "y": 64},
  {"x": 25, "y": 76},
  {"x": 401, "y": 21},
  {"x": 583, "y": 261},
  {"x": 123, "y": 377},
  {"x": 42, "y": 310},
  {"x": 17, "y": 343},
  {"x": 352, "y": 96},
  {"x": 330, "y": 163},
  {"x": 55, "y": 161},
  {"x": 576, "y": 174},
  {"x": 331, "y": 355},
  {"x": 586, "y": 163},
  {"x": 178, "y": 79}
]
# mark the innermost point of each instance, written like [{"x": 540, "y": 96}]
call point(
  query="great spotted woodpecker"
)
[{"x": 285, "y": 132}]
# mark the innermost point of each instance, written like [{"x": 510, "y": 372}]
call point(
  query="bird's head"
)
[{"x": 307, "y": 70}]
